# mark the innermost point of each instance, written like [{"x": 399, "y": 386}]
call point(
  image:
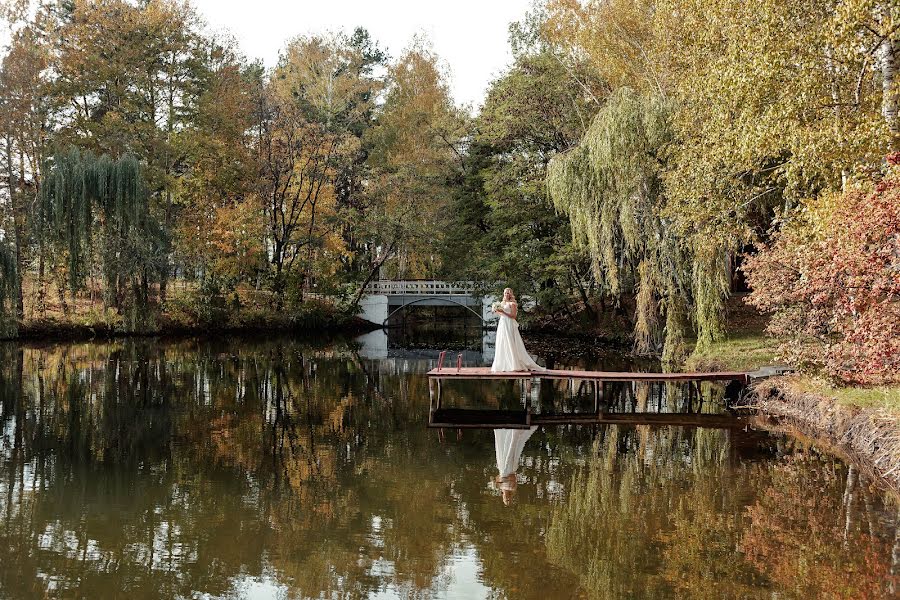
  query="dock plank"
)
[{"x": 486, "y": 373}]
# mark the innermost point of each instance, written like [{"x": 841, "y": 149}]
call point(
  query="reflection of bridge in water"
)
[
  {"x": 386, "y": 298},
  {"x": 376, "y": 345}
]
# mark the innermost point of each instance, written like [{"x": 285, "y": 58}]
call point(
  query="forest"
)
[{"x": 638, "y": 162}]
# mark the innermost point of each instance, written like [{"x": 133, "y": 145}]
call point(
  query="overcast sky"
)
[{"x": 471, "y": 36}]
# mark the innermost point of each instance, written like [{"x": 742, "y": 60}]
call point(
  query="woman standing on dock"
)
[{"x": 509, "y": 352}]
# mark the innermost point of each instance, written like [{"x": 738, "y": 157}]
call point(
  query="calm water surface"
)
[{"x": 285, "y": 468}]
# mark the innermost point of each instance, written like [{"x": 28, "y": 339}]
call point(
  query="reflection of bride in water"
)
[{"x": 508, "y": 444}]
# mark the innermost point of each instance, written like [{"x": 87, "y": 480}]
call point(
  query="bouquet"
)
[{"x": 496, "y": 306}]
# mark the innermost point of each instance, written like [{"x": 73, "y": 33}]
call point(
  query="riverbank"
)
[
  {"x": 867, "y": 431},
  {"x": 308, "y": 317},
  {"x": 862, "y": 423}
]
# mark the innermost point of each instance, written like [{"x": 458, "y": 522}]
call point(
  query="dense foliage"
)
[
  {"x": 610, "y": 186},
  {"x": 502, "y": 226},
  {"x": 307, "y": 178},
  {"x": 831, "y": 277},
  {"x": 616, "y": 172},
  {"x": 85, "y": 199}
]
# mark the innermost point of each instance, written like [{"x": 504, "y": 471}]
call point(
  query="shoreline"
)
[
  {"x": 56, "y": 331},
  {"x": 867, "y": 436}
]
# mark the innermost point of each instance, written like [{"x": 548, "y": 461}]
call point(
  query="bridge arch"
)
[{"x": 446, "y": 301}]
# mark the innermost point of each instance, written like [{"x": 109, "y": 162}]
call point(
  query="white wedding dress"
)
[{"x": 509, "y": 350}]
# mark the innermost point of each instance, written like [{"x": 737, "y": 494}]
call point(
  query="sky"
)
[{"x": 470, "y": 36}]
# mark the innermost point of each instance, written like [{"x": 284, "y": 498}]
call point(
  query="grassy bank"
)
[
  {"x": 747, "y": 348},
  {"x": 862, "y": 424}
]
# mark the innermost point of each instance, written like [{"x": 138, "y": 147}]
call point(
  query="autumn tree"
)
[
  {"x": 772, "y": 103},
  {"x": 24, "y": 121},
  {"x": 830, "y": 279},
  {"x": 416, "y": 157},
  {"x": 304, "y": 144},
  {"x": 127, "y": 80},
  {"x": 220, "y": 229}
]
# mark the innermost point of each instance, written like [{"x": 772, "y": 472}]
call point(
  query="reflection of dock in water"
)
[
  {"x": 486, "y": 373},
  {"x": 470, "y": 418}
]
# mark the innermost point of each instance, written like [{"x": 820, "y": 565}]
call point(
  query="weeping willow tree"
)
[
  {"x": 610, "y": 186},
  {"x": 97, "y": 207},
  {"x": 9, "y": 286}
]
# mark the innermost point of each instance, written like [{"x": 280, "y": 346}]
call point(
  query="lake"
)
[{"x": 304, "y": 468}]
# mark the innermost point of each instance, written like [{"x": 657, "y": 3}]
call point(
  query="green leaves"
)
[
  {"x": 84, "y": 198},
  {"x": 610, "y": 187}
]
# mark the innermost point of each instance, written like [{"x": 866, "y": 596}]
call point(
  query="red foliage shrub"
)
[{"x": 835, "y": 291}]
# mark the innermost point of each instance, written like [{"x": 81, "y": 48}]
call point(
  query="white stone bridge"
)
[{"x": 382, "y": 299}]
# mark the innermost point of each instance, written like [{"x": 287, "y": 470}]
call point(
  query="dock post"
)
[
  {"x": 441, "y": 359},
  {"x": 430, "y": 400},
  {"x": 458, "y": 362},
  {"x": 598, "y": 394}
]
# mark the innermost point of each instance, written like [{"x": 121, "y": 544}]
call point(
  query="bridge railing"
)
[{"x": 425, "y": 287}]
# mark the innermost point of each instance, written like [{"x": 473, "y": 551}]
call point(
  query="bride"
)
[{"x": 510, "y": 353}]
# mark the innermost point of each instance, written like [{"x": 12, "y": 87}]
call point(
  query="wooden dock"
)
[{"x": 486, "y": 373}]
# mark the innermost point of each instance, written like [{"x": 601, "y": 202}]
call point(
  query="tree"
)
[
  {"x": 23, "y": 130},
  {"x": 127, "y": 78},
  {"x": 220, "y": 230},
  {"x": 830, "y": 278},
  {"x": 305, "y": 145},
  {"x": 416, "y": 156},
  {"x": 772, "y": 103},
  {"x": 778, "y": 102},
  {"x": 610, "y": 185},
  {"x": 538, "y": 109},
  {"x": 84, "y": 197},
  {"x": 9, "y": 291}
]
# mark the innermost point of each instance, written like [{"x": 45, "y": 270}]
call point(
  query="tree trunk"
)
[
  {"x": 278, "y": 285},
  {"x": 41, "y": 282},
  {"x": 888, "y": 66},
  {"x": 18, "y": 224},
  {"x": 375, "y": 268},
  {"x": 61, "y": 290}
]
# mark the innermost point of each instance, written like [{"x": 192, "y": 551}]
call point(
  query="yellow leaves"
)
[
  {"x": 324, "y": 71},
  {"x": 617, "y": 35},
  {"x": 415, "y": 152}
]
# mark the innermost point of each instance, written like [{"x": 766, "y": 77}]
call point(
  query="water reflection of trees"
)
[
  {"x": 167, "y": 469},
  {"x": 812, "y": 531},
  {"x": 666, "y": 485},
  {"x": 184, "y": 465}
]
